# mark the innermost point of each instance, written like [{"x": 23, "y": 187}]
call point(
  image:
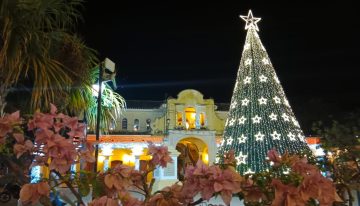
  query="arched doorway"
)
[{"x": 191, "y": 150}]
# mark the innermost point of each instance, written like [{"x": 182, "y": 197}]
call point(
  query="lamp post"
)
[{"x": 106, "y": 70}]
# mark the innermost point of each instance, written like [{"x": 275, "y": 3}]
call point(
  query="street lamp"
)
[{"x": 106, "y": 73}]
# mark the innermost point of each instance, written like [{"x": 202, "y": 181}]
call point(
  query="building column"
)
[
  {"x": 137, "y": 162},
  {"x": 166, "y": 176}
]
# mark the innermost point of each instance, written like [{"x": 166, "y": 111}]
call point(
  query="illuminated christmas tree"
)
[{"x": 260, "y": 117}]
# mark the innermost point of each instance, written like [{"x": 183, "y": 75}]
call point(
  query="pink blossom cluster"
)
[
  {"x": 210, "y": 180},
  {"x": 160, "y": 155},
  {"x": 54, "y": 146},
  {"x": 54, "y": 139},
  {"x": 313, "y": 184}
]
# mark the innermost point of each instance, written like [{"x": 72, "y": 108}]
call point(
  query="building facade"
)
[{"x": 189, "y": 125}]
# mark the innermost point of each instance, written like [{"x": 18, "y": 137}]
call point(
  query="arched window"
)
[
  {"x": 124, "y": 124},
  {"x": 148, "y": 125},
  {"x": 136, "y": 125},
  {"x": 179, "y": 119},
  {"x": 112, "y": 125},
  {"x": 190, "y": 115},
  {"x": 202, "y": 119}
]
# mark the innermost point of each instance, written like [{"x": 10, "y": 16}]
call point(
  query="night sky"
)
[{"x": 161, "y": 48}]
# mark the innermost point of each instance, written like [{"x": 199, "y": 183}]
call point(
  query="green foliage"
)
[
  {"x": 40, "y": 51},
  {"x": 340, "y": 139}
]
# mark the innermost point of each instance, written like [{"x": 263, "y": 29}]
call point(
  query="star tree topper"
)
[{"x": 251, "y": 22}]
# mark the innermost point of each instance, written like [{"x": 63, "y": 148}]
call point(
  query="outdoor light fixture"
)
[{"x": 106, "y": 73}]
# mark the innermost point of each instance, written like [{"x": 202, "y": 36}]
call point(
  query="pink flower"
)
[
  {"x": 19, "y": 137},
  {"x": 20, "y": 149},
  {"x": 42, "y": 121},
  {"x": 104, "y": 201},
  {"x": 199, "y": 179},
  {"x": 42, "y": 135},
  {"x": 302, "y": 167},
  {"x": 286, "y": 195},
  {"x": 314, "y": 185},
  {"x": 62, "y": 153},
  {"x": 274, "y": 156},
  {"x": 137, "y": 178},
  {"x": 201, "y": 168},
  {"x": 169, "y": 196},
  {"x": 7, "y": 124},
  {"x": 160, "y": 155},
  {"x": 227, "y": 182},
  {"x": 229, "y": 158},
  {"x": 31, "y": 193},
  {"x": 123, "y": 170},
  {"x": 119, "y": 178},
  {"x": 87, "y": 156}
]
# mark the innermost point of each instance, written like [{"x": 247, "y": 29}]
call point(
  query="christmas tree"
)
[{"x": 260, "y": 117}]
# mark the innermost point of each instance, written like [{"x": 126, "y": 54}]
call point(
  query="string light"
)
[
  {"x": 251, "y": 22},
  {"x": 260, "y": 117}
]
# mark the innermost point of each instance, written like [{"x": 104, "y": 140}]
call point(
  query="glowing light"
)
[
  {"x": 285, "y": 117},
  {"x": 247, "y": 46},
  {"x": 127, "y": 159},
  {"x": 256, "y": 119},
  {"x": 229, "y": 140},
  {"x": 233, "y": 105},
  {"x": 106, "y": 150},
  {"x": 249, "y": 171},
  {"x": 205, "y": 158},
  {"x": 242, "y": 139},
  {"x": 242, "y": 120},
  {"x": 262, "y": 100},
  {"x": 241, "y": 158},
  {"x": 291, "y": 136},
  {"x": 273, "y": 116},
  {"x": 251, "y": 22},
  {"x": 137, "y": 150},
  {"x": 244, "y": 102},
  {"x": 259, "y": 136},
  {"x": 247, "y": 80},
  {"x": 101, "y": 158},
  {"x": 231, "y": 122},
  {"x": 264, "y": 117},
  {"x": 277, "y": 100},
  {"x": 262, "y": 78},
  {"x": 248, "y": 62},
  {"x": 275, "y": 135},
  {"x": 265, "y": 61},
  {"x": 95, "y": 89}
]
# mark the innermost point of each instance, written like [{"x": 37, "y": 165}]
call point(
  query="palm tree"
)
[
  {"x": 37, "y": 45},
  {"x": 40, "y": 52},
  {"x": 112, "y": 104}
]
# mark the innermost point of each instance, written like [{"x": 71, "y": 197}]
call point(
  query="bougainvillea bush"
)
[{"x": 57, "y": 141}]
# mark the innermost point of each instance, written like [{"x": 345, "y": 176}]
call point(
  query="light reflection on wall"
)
[{"x": 35, "y": 174}]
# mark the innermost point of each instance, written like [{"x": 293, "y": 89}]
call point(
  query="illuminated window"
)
[
  {"x": 190, "y": 114},
  {"x": 124, "y": 124},
  {"x": 179, "y": 119},
  {"x": 202, "y": 120},
  {"x": 136, "y": 125}
]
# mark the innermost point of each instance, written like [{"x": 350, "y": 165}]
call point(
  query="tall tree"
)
[
  {"x": 341, "y": 141},
  {"x": 260, "y": 117},
  {"x": 38, "y": 49}
]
